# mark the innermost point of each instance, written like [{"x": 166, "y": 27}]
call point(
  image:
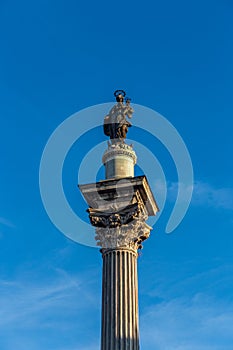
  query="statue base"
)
[{"x": 119, "y": 160}]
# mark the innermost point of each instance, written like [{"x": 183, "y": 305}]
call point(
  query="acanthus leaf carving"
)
[{"x": 126, "y": 236}]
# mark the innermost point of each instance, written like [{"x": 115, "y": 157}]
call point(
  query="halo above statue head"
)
[{"x": 119, "y": 94}]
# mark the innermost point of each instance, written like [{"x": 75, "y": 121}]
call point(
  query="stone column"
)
[
  {"x": 118, "y": 210},
  {"x": 120, "y": 329},
  {"x": 120, "y": 244}
]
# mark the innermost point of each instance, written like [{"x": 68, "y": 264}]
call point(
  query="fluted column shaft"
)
[{"x": 120, "y": 330}]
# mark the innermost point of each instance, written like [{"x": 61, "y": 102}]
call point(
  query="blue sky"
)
[{"x": 58, "y": 57}]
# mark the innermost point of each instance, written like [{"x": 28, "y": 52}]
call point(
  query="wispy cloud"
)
[
  {"x": 211, "y": 196},
  {"x": 6, "y": 222},
  {"x": 49, "y": 314},
  {"x": 193, "y": 313},
  {"x": 199, "y": 323},
  {"x": 205, "y": 194}
]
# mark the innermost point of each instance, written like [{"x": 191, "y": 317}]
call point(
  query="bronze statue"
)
[{"x": 115, "y": 123}]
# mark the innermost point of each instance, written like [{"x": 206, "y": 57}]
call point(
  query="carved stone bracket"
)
[{"x": 114, "y": 219}]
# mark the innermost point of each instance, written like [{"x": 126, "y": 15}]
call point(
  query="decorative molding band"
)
[{"x": 119, "y": 150}]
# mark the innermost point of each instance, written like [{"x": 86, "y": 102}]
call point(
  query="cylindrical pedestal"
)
[
  {"x": 119, "y": 160},
  {"x": 120, "y": 330}
]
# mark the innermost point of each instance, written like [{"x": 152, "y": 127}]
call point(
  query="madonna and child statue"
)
[
  {"x": 115, "y": 123},
  {"x": 119, "y": 159}
]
